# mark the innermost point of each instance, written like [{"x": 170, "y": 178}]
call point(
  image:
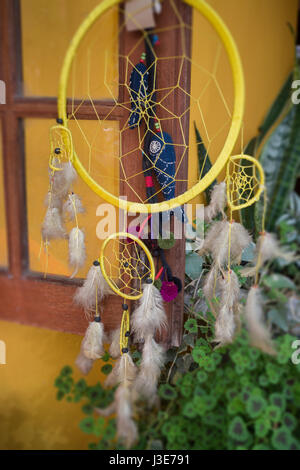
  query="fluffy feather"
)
[
  {"x": 240, "y": 239},
  {"x": 150, "y": 369},
  {"x": 94, "y": 284},
  {"x": 218, "y": 199},
  {"x": 114, "y": 349},
  {"x": 124, "y": 368},
  {"x": 73, "y": 206},
  {"x": 52, "y": 200},
  {"x": 126, "y": 427},
  {"x": 225, "y": 323},
  {"x": 267, "y": 248},
  {"x": 149, "y": 316},
  {"x": 53, "y": 227},
  {"x": 77, "y": 253},
  {"x": 83, "y": 363},
  {"x": 62, "y": 180},
  {"x": 92, "y": 344},
  {"x": 260, "y": 336}
]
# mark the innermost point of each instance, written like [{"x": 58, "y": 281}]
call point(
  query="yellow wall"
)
[{"x": 30, "y": 417}]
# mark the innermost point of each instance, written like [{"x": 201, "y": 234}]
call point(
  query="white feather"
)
[
  {"x": 94, "y": 284},
  {"x": 73, "y": 206},
  {"x": 92, "y": 343},
  {"x": 149, "y": 316},
  {"x": 62, "y": 180},
  {"x": 225, "y": 323},
  {"x": 53, "y": 227},
  {"x": 77, "y": 253},
  {"x": 114, "y": 349},
  {"x": 124, "y": 369},
  {"x": 218, "y": 200},
  {"x": 150, "y": 369},
  {"x": 259, "y": 334},
  {"x": 126, "y": 427},
  {"x": 83, "y": 363}
]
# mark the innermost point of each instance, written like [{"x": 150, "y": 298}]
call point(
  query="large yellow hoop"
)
[
  {"x": 120, "y": 236},
  {"x": 238, "y": 109}
]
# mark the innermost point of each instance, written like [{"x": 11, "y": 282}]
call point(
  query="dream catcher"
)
[{"x": 161, "y": 78}]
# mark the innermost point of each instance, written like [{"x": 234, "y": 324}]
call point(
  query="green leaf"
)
[
  {"x": 255, "y": 406},
  {"x": 106, "y": 369},
  {"x": 238, "y": 430},
  {"x": 278, "y": 317},
  {"x": 193, "y": 265},
  {"x": 281, "y": 438},
  {"x": 278, "y": 281},
  {"x": 99, "y": 426},
  {"x": 167, "y": 392},
  {"x": 87, "y": 425},
  {"x": 262, "y": 427},
  {"x": 191, "y": 325}
]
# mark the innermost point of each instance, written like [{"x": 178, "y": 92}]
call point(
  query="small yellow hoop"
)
[
  {"x": 124, "y": 236},
  {"x": 62, "y": 134},
  {"x": 253, "y": 199}
]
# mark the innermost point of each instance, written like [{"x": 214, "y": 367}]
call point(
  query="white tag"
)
[{"x": 139, "y": 15}]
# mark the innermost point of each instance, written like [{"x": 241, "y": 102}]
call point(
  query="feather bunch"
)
[
  {"x": 73, "y": 206},
  {"x": 259, "y": 334},
  {"x": 218, "y": 200},
  {"x": 114, "y": 349},
  {"x": 83, "y": 363},
  {"x": 225, "y": 323},
  {"x": 93, "y": 290},
  {"x": 77, "y": 253},
  {"x": 150, "y": 369},
  {"x": 149, "y": 316},
  {"x": 92, "y": 343},
  {"x": 52, "y": 227},
  {"x": 123, "y": 374},
  {"x": 62, "y": 180},
  {"x": 267, "y": 248}
]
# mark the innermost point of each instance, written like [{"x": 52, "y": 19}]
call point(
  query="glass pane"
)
[
  {"x": 47, "y": 29},
  {"x": 3, "y": 234},
  {"x": 37, "y": 157}
]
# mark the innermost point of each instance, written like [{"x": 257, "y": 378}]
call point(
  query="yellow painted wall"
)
[{"x": 30, "y": 417}]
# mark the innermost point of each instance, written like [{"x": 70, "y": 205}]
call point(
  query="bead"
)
[
  {"x": 124, "y": 306},
  {"x": 127, "y": 334},
  {"x": 59, "y": 121},
  {"x": 96, "y": 263},
  {"x": 124, "y": 350},
  {"x": 97, "y": 319},
  {"x": 149, "y": 280},
  {"x": 57, "y": 151}
]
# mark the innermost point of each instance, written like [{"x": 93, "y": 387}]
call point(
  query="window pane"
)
[
  {"x": 37, "y": 157},
  {"x": 3, "y": 234},
  {"x": 47, "y": 29}
]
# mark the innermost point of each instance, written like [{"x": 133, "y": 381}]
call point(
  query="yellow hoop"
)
[
  {"x": 256, "y": 197},
  {"x": 125, "y": 235},
  {"x": 238, "y": 109},
  {"x": 66, "y": 143}
]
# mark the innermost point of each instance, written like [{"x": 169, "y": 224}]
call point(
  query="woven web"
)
[
  {"x": 193, "y": 85},
  {"x": 126, "y": 266},
  {"x": 243, "y": 183}
]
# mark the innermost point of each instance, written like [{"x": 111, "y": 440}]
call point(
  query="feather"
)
[
  {"x": 150, "y": 369},
  {"x": 73, "y": 206},
  {"x": 225, "y": 323},
  {"x": 83, "y": 363},
  {"x": 109, "y": 410},
  {"x": 52, "y": 200},
  {"x": 240, "y": 239},
  {"x": 114, "y": 349},
  {"x": 218, "y": 200},
  {"x": 77, "y": 253},
  {"x": 210, "y": 283},
  {"x": 126, "y": 427},
  {"x": 52, "y": 227},
  {"x": 124, "y": 368},
  {"x": 94, "y": 284},
  {"x": 260, "y": 336},
  {"x": 124, "y": 374},
  {"x": 267, "y": 248},
  {"x": 149, "y": 316},
  {"x": 92, "y": 343},
  {"x": 62, "y": 180}
]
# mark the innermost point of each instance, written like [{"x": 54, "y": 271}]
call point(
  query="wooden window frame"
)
[{"x": 25, "y": 296}]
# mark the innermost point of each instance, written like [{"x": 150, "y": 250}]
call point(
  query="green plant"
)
[{"x": 230, "y": 398}]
